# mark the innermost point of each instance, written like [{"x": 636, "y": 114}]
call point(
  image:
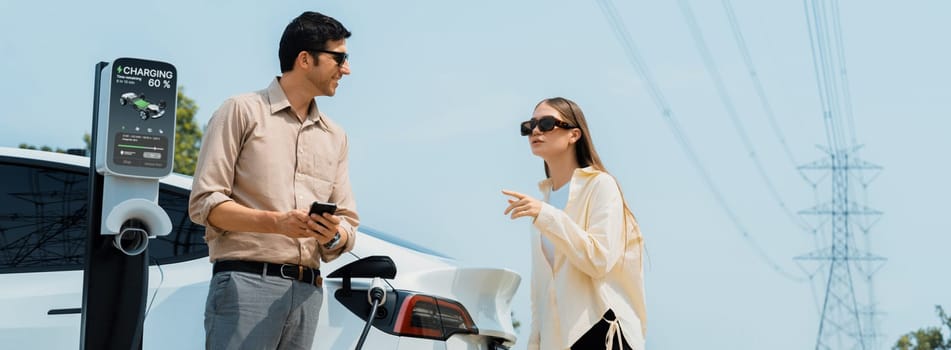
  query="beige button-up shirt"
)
[
  {"x": 597, "y": 266},
  {"x": 258, "y": 153}
]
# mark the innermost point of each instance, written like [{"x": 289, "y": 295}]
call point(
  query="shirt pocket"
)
[
  {"x": 325, "y": 167},
  {"x": 322, "y": 189}
]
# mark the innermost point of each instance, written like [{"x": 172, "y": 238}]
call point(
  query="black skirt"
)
[{"x": 593, "y": 339}]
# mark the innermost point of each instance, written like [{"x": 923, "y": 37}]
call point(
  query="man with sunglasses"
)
[{"x": 266, "y": 156}]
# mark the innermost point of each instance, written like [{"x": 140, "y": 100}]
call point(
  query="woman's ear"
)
[{"x": 575, "y": 135}]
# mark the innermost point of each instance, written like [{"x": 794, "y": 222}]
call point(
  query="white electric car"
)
[{"x": 433, "y": 302}]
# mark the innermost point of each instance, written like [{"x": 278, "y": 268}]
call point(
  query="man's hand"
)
[
  {"x": 522, "y": 205},
  {"x": 326, "y": 227},
  {"x": 297, "y": 224}
]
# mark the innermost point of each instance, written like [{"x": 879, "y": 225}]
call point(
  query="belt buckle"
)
[{"x": 284, "y": 275}]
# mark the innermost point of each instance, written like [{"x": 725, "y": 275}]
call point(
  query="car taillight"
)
[
  {"x": 411, "y": 314},
  {"x": 431, "y": 317}
]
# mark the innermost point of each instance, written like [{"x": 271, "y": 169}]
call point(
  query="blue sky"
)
[{"x": 438, "y": 88}]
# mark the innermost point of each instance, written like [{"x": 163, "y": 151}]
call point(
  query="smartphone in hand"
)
[{"x": 320, "y": 208}]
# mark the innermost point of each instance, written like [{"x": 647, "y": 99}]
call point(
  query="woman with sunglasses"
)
[{"x": 587, "y": 279}]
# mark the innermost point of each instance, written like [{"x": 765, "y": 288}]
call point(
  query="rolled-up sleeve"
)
[
  {"x": 214, "y": 173},
  {"x": 346, "y": 205}
]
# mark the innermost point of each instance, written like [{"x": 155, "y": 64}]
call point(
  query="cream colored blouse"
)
[{"x": 597, "y": 266}]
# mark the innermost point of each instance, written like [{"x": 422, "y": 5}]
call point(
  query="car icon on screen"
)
[{"x": 145, "y": 108}]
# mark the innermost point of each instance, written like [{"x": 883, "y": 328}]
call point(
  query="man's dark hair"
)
[{"x": 308, "y": 32}]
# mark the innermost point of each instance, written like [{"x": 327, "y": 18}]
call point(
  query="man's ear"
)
[{"x": 304, "y": 59}]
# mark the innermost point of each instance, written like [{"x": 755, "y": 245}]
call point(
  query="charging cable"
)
[{"x": 375, "y": 295}]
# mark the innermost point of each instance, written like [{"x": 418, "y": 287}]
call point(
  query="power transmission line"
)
[
  {"x": 844, "y": 322},
  {"x": 727, "y": 101},
  {"x": 840, "y": 45},
  {"x": 757, "y": 84},
  {"x": 635, "y": 59}
]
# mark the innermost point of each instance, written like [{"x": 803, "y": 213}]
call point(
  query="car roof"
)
[
  {"x": 175, "y": 179},
  {"x": 185, "y": 182}
]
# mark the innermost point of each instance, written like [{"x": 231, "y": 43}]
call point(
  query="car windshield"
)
[{"x": 399, "y": 241}]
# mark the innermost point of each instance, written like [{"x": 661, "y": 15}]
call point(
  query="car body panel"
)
[
  {"x": 178, "y": 289},
  {"x": 26, "y": 300}
]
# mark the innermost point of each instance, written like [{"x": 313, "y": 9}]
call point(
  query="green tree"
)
[
  {"x": 88, "y": 141},
  {"x": 515, "y": 322},
  {"x": 42, "y": 148},
  {"x": 929, "y": 338},
  {"x": 187, "y": 136}
]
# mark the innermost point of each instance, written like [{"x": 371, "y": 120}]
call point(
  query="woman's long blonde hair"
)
[{"x": 584, "y": 149}]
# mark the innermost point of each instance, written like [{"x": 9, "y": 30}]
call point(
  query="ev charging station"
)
[{"x": 133, "y": 143}]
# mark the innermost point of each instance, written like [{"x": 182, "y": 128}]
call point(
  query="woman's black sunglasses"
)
[{"x": 545, "y": 124}]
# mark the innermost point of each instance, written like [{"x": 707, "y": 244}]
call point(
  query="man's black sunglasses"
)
[
  {"x": 545, "y": 124},
  {"x": 339, "y": 57}
]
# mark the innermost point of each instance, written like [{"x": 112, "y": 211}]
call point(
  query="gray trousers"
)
[{"x": 255, "y": 311}]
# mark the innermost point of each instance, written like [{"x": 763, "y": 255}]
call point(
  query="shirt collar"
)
[
  {"x": 545, "y": 185},
  {"x": 278, "y": 101}
]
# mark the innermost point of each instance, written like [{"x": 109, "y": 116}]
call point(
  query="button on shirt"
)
[{"x": 258, "y": 153}]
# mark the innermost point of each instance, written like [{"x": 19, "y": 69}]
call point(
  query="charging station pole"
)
[{"x": 132, "y": 145}]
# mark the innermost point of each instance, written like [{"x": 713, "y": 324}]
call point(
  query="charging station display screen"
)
[
  {"x": 139, "y": 150},
  {"x": 140, "y": 122}
]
